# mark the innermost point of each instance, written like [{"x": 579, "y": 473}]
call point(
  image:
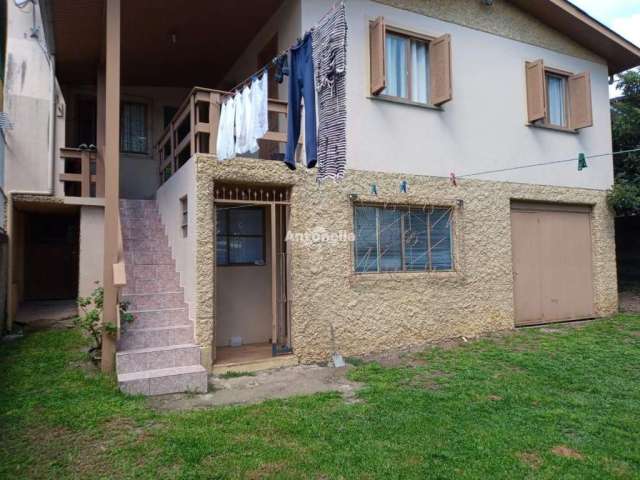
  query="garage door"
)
[{"x": 552, "y": 270}]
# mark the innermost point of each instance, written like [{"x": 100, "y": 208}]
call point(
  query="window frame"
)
[
  {"x": 184, "y": 215},
  {"x": 554, "y": 72},
  {"x": 411, "y": 36},
  {"x": 408, "y": 208},
  {"x": 226, "y": 212},
  {"x": 147, "y": 125}
]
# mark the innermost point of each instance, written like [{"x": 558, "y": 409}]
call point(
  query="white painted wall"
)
[
  {"x": 28, "y": 93},
  {"x": 91, "y": 248},
  {"x": 183, "y": 249},
  {"x": 483, "y": 127}
]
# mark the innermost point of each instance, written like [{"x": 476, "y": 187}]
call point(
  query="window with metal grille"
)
[
  {"x": 397, "y": 239},
  {"x": 133, "y": 129},
  {"x": 240, "y": 236}
]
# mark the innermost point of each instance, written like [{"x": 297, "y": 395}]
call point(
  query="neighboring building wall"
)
[
  {"x": 374, "y": 312},
  {"x": 28, "y": 93},
  {"x": 139, "y": 177},
  {"x": 483, "y": 127},
  {"x": 91, "y": 249},
  {"x": 168, "y": 196}
]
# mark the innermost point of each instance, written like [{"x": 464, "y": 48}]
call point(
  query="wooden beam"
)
[
  {"x": 100, "y": 107},
  {"x": 214, "y": 120},
  {"x": 274, "y": 285},
  {"x": 112, "y": 176},
  {"x": 85, "y": 170}
]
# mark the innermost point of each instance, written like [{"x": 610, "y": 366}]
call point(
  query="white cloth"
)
[
  {"x": 225, "y": 144},
  {"x": 260, "y": 106},
  {"x": 245, "y": 142}
]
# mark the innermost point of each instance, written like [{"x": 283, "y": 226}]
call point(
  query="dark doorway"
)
[{"x": 51, "y": 256}]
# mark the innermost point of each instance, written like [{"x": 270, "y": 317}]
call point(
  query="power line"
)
[{"x": 540, "y": 164}]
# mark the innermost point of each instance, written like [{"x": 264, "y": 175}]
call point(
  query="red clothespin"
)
[{"x": 453, "y": 179}]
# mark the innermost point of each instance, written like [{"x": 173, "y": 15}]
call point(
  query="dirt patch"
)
[
  {"x": 494, "y": 398},
  {"x": 266, "y": 470},
  {"x": 567, "y": 452},
  {"x": 530, "y": 458},
  {"x": 629, "y": 301},
  {"x": 267, "y": 385}
]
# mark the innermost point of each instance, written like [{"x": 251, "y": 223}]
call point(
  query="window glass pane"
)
[
  {"x": 222, "y": 227},
  {"x": 366, "y": 253},
  {"x": 419, "y": 71},
  {"x": 415, "y": 240},
  {"x": 396, "y": 65},
  {"x": 440, "y": 222},
  {"x": 246, "y": 221},
  {"x": 390, "y": 241},
  {"x": 133, "y": 131},
  {"x": 246, "y": 250},
  {"x": 221, "y": 251},
  {"x": 556, "y": 99}
]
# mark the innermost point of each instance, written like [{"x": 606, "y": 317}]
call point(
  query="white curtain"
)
[
  {"x": 556, "y": 96},
  {"x": 419, "y": 72},
  {"x": 396, "y": 58}
]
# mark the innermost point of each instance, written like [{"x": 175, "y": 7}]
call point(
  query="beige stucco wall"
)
[
  {"x": 374, "y": 312},
  {"x": 91, "y": 248}
]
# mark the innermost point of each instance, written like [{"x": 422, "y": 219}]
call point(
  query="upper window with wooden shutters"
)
[
  {"x": 557, "y": 99},
  {"x": 409, "y": 67}
]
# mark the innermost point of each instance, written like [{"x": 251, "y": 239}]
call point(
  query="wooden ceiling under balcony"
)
[{"x": 164, "y": 42}]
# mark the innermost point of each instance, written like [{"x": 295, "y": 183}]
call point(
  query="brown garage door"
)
[{"x": 552, "y": 272}]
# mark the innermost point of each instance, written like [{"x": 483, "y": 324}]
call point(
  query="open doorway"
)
[{"x": 252, "y": 274}]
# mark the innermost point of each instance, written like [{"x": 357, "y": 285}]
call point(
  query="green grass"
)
[
  {"x": 237, "y": 374},
  {"x": 490, "y": 409}
]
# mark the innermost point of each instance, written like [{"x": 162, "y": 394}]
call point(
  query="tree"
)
[{"x": 625, "y": 118}]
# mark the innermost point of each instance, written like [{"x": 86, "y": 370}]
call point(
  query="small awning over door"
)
[{"x": 552, "y": 262}]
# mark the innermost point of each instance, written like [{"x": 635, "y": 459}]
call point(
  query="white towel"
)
[
  {"x": 260, "y": 105},
  {"x": 225, "y": 143}
]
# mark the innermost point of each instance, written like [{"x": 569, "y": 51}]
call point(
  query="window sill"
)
[
  {"x": 402, "y": 101},
  {"x": 553, "y": 127}
]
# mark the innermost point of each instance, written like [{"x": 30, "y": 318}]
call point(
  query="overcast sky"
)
[{"x": 623, "y": 16}]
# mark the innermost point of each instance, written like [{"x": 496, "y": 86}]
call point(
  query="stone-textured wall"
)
[
  {"x": 502, "y": 18},
  {"x": 334, "y": 309}
]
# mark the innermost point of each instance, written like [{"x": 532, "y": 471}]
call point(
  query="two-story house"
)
[{"x": 465, "y": 207}]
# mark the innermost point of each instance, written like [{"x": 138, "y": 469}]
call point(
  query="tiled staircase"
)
[{"x": 156, "y": 352}]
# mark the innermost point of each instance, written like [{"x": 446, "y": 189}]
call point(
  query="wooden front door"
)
[
  {"x": 552, "y": 263},
  {"x": 51, "y": 256}
]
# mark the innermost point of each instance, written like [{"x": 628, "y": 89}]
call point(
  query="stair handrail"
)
[{"x": 119, "y": 274}]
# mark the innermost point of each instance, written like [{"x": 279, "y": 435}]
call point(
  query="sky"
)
[{"x": 622, "y": 16}]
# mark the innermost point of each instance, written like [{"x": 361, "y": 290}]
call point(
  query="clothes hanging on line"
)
[
  {"x": 260, "y": 106},
  {"x": 282, "y": 67},
  {"x": 225, "y": 143},
  {"x": 301, "y": 86},
  {"x": 330, "y": 67}
]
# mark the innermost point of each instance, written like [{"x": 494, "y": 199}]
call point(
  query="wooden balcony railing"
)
[
  {"x": 194, "y": 129},
  {"x": 81, "y": 177}
]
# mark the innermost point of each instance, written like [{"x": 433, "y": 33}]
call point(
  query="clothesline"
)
[{"x": 272, "y": 62}]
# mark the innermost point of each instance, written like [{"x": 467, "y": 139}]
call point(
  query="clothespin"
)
[
  {"x": 453, "y": 179},
  {"x": 404, "y": 186},
  {"x": 582, "y": 161},
  {"x": 374, "y": 189}
]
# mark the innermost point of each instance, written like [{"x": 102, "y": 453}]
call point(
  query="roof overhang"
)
[{"x": 619, "y": 53}]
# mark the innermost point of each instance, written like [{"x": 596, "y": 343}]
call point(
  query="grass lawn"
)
[{"x": 533, "y": 404}]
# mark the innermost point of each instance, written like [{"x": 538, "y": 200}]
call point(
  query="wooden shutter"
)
[
  {"x": 580, "y": 113},
  {"x": 440, "y": 69},
  {"x": 376, "y": 52},
  {"x": 536, "y": 96}
]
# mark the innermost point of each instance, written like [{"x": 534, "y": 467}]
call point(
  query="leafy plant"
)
[
  {"x": 91, "y": 315},
  {"x": 625, "y": 125}
]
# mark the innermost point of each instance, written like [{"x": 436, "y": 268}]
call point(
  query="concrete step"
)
[
  {"x": 137, "y": 360},
  {"x": 192, "y": 378},
  {"x": 158, "y": 318},
  {"x": 154, "y": 301},
  {"x": 135, "y": 338}
]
